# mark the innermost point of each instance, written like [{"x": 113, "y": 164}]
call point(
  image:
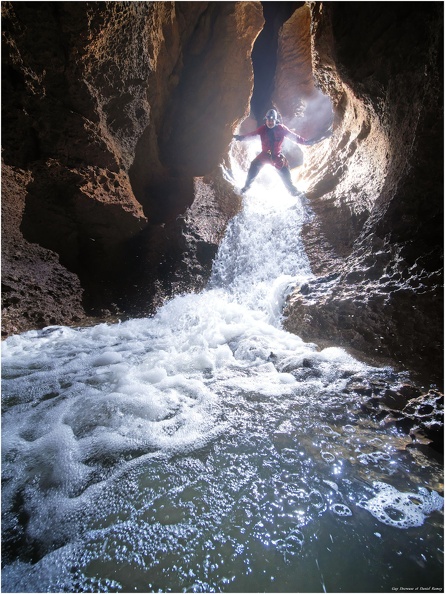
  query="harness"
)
[{"x": 279, "y": 160}]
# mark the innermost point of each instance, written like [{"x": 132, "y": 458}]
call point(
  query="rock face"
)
[
  {"x": 420, "y": 415},
  {"x": 302, "y": 105},
  {"x": 116, "y": 117},
  {"x": 37, "y": 290},
  {"x": 375, "y": 187},
  {"x": 110, "y": 110}
]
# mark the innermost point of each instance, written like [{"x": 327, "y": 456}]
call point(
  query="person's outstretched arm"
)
[
  {"x": 295, "y": 137},
  {"x": 300, "y": 140},
  {"x": 248, "y": 135}
]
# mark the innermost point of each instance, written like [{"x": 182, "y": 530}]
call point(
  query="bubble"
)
[
  {"x": 379, "y": 456},
  {"x": 301, "y": 495},
  {"x": 289, "y": 455},
  {"x": 328, "y": 457},
  {"x": 331, "y": 484},
  {"x": 363, "y": 459},
  {"x": 291, "y": 545},
  {"x": 295, "y": 540},
  {"x": 341, "y": 510},
  {"x": 376, "y": 441},
  {"x": 316, "y": 500}
]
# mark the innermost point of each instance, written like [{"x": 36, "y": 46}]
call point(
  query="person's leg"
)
[
  {"x": 287, "y": 179},
  {"x": 254, "y": 169}
]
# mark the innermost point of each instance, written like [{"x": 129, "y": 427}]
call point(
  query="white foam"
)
[
  {"x": 107, "y": 358},
  {"x": 83, "y": 406},
  {"x": 401, "y": 510},
  {"x": 93, "y": 398}
]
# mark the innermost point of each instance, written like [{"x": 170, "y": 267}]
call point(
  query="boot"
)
[
  {"x": 254, "y": 168},
  {"x": 287, "y": 179}
]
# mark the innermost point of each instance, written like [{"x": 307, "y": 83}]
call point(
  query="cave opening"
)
[
  {"x": 284, "y": 80},
  {"x": 264, "y": 54}
]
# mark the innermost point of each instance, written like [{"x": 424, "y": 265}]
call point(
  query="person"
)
[{"x": 272, "y": 135}]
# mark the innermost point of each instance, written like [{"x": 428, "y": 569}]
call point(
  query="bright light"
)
[
  {"x": 303, "y": 184},
  {"x": 268, "y": 185}
]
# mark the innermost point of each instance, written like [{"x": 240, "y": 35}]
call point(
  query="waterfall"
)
[{"x": 206, "y": 449}]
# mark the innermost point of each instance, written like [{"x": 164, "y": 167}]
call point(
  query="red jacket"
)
[{"x": 272, "y": 138}]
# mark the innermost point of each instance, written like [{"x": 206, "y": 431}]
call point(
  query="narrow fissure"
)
[{"x": 264, "y": 54}]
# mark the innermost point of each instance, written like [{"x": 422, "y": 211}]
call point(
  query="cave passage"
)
[{"x": 264, "y": 54}]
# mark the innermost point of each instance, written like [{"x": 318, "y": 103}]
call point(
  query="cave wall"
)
[
  {"x": 37, "y": 290},
  {"x": 101, "y": 104},
  {"x": 376, "y": 186},
  {"x": 302, "y": 105}
]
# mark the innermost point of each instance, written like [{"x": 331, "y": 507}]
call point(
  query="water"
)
[{"x": 207, "y": 450}]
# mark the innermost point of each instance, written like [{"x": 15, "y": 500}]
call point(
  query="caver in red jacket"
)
[
  {"x": 271, "y": 143},
  {"x": 272, "y": 135}
]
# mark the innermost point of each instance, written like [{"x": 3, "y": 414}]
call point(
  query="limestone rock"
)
[
  {"x": 110, "y": 111},
  {"x": 37, "y": 290},
  {"x": 375, "y": 187},
  {"x": 303, "y": 107}
]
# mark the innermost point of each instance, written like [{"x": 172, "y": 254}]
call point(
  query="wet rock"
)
[
  {"x": 303, "y": 106},
  {"x": 371, "y": 223},
  {"x": 397, "y": 399},
  {"x": 420, "y": 415},
  {"x": 36, "y": 289},
  {"x": 101, "y": 103},
  {"x": 428, "y": 407},
  {"x": 185, "y": 247},
  {"x": 359, "y": 388}
]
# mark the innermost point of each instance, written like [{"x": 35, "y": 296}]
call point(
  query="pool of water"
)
[{"x": 207, "y": 450}]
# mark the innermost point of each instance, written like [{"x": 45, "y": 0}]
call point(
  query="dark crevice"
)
[{"x": 264, "y": 54}]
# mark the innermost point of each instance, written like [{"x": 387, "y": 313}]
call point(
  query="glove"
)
[
  {"x": 237, "y": 137},
  {"x": 301, "y": 140},
  {"x": 310, "y": 142}
]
